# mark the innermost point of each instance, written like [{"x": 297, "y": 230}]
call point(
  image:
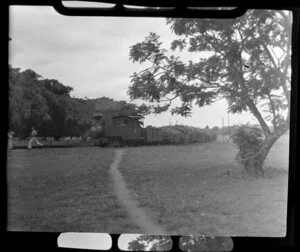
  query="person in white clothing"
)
[{"x": 33, "y": 135}]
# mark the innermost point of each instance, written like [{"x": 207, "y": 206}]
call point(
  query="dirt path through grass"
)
[
  {"x": 137, "y": 213},
  {"x": 64, "y": 190}
]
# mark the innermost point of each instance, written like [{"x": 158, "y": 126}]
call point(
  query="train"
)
[{"x": 123, "y": 130}]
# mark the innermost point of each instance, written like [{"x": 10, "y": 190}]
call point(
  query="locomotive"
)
[{"x": 122, "y": 130}]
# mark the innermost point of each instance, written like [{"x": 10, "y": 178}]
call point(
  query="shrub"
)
[
  {"x": 180, "y": 134},
  {"x": 249, "y": 141}
]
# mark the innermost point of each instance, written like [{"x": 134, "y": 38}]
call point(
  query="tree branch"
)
[
  {"x": 169, "y": 99},
  {"x": 285, "y": 71},
  {"x": 269, "y": 55},
  {"x": 283, "y": 76},
  {"x": 272, "y": 106},
  {"x": 250, "y": 102},
  {"x": 217, "y": 39},
  {"x": 258, "y": 116}
]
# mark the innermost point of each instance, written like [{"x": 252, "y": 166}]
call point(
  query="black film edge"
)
[{"x": 172, "y": 11}]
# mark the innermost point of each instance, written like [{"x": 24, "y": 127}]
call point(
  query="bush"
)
[
  {"x": 249, "y": 141},
  {"x": 180, "y": 134}
]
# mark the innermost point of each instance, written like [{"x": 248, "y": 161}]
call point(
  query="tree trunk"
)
[{"x": 254, "y": 162}]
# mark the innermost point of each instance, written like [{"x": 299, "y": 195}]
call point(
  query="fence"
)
[{"x": 47, "y": 141}]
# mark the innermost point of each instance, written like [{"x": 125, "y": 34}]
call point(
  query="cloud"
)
[
  {"x": 90, "y": 54},
  {"x": 43, "y": 62},
  {"x": 15, "y": 49}
]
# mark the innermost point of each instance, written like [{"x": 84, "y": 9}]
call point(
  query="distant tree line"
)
[
  {"x": 46, "y": 104},
  {"x": 182, "y": 134}
]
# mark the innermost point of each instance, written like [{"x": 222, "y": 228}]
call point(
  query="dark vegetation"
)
[
  {"x": 249, "y": 141},
  {"x": 180, "y": 134},
  {"x": 46, "y": 104},
  {"x": 151, "y": 243},
  {"x": 186, "y": 243},
  {"x": 205, "y": 243}
]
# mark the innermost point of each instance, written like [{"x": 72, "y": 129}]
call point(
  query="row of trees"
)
[
  {"x": 180, "y": 134},
  {"x": 46, "y": 104}
]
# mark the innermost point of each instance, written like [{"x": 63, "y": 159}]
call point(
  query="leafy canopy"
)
[
  {"x": 244, "y": 60},
  {"x": 46, "y": 104}
]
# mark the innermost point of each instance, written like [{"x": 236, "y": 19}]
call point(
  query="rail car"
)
[{"x": 123, "y": 131}]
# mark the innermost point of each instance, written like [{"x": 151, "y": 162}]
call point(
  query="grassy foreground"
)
[
  {"x": 60, "y": 190},
  {"x": 200, "y": 189},
  {"x": 191, "y": 189}
]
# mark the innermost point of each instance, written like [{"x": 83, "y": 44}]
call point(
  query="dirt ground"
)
[{"x": 200, "y": 189}]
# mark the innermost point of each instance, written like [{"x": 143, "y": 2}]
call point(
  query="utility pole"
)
[
  {"x": 223, "y": 128},
  {"x": 228, "y": 126}
]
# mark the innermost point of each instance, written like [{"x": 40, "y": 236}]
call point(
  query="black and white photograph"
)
[{"x": 149, "y": 125}]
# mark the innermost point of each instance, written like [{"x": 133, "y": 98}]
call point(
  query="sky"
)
[{"x": 91, "y": 54}]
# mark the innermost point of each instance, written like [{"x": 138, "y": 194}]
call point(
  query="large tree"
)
[
  {"x": 27, "y": 105},
  {"x": 244, "y": 60},
  {"x": 45, "y": 104}
]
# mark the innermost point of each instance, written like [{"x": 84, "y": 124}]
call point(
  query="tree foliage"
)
[
  {"x": 151, "y": 243},
  {"x": 249, "y": 141},
  {"x": 186, "y": 243},
  {"x": 111, "y": 108},
  {"x": 181, "y": 134},
  {"x": 244, "y": 60},
  {"x": 205, "y": 243},
  {"x": 46, "y": 104}
]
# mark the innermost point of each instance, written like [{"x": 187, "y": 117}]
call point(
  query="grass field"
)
[
  {"x": 199, "y": 189},
  {"x": 59, "y": 190},
  {"x": 188, "y": 189}
]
